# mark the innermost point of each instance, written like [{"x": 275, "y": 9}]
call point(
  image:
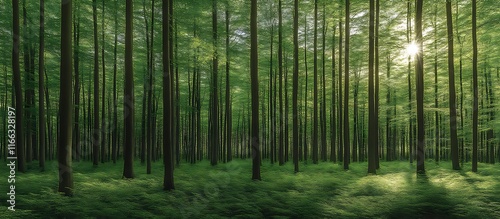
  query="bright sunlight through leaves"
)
[{"x": 411, "y": 49}]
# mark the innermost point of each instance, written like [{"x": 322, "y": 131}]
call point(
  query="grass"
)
[{"x": 226, "y": 190}]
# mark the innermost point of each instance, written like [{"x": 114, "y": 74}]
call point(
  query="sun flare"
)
[{"x": 412, "y": 49}]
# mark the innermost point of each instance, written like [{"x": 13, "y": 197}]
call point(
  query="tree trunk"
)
[
  {"x": 372, "y": 138},
  {"x": 333, "y": 120},
  {"x": 128, "y": 150},
  {"x": 214, "y": 119},
  {"x": 115, "y": 112},
  {"x": 228, "y": 110},
  {"x": 451, "y": 88},
  {"x": 378, "y": 150},
  {"x": 254, "y": 77},
  {"x": 323, "y": 98},
  {"x": 295, "y": 86},
  {"x": 168, "y": 180},
  {"x": 315, "y": 89},
  {"x": 18, "y": 90},
  {"x": 41, "y": 89},
  {"x": 95, "y": 131},
  {"x": 103, "y": 114},
  {"x": 281, "y": 149},
  {"x": 346, "y": 88},
  {"x": 65, "y": 103},
  {"x": 419, "y": 66}
]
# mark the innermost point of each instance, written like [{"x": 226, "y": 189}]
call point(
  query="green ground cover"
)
[{"x": 318, "y": 191}]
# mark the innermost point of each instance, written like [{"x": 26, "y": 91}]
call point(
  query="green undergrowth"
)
[{"x": 324, "y": 190}]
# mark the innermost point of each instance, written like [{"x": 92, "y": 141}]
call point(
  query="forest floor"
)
[{"x": 226, "y": 190}]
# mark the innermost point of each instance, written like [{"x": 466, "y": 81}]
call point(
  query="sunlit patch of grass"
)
[{"x": 226, "y": 190}]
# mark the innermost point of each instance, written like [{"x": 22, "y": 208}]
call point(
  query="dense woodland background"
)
[{"x": 341, "y": 81}]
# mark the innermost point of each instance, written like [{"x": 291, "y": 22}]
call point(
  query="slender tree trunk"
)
[
  {"x": 128, "y": 150},
  {"x": 21, "y": 166},
  {"x": 228, "y": 110},
  {"x": 436, "y": 105},
  {"x": 29, "y": 91},
  {"x": 346, "y": 88},
  {"x": 295, "y": 86},
  {"x": 95, "y": 130},
  {"x": 76, "y": 52},
  {"x": 419, "y": 66},
  {"x": 168, "y": 180},
  {"x": 103, "y": 110},
  {"x": 315, "y": 89},
  {"x": 65, "y": 102},
  {"x": 451, "y": 87},
  {"x": 340, "y": 107},
  {"x": 306, "y": 92},
  {"x": 333, "y": 120},
  {"x": 281, "y": 149},
  {"x": 41, "y": 88},
  {"x": 115, "y": 111},
  {"x": 254, "y": 75},
  {"x": 214, "y": 120},
  {"x": 376, "y": 89},
  {"x": 372, "y": 138},
  {"x": 272, "y": 100},
  {"x": 323, "y": 98}
]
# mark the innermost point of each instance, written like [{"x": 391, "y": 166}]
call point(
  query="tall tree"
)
[
  {"x": 168, "y": 179},
  {"x": 114, "y": 134},
  {"x": 474, "y": 88},
  {"x": 281, "y": 156},
  {"x": 323, "y": 81},
  {"x": 333, "y": 120},
  {"x": 76, "y": 64},
  {"x": 65, "y": 102},
  {"x": 419, "y": 66},
  {"x": 254, "y": 78},
  {"x": 103, "y": 110},
  {"x": 295, "y": 85},
  {"x": 340, "y": 114},
  {"x": 128, "y": 150},
  {"x": 451, "y": 90},
  {"x": 41, "y": 88},
  {"x": 214, "y": 109},
  {"x": 376, "y": 89},
  {"x": 96, "y": 130},
  {"x": 315, "y": 89},
  {"x": 346, "y": 88},
  {"x": 228, "y": 111},
  {"x": 21, "y": 166},
  {"x": 372, "y": 153}
]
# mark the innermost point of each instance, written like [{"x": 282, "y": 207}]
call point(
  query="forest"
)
[{"x": 250, "y": 109}]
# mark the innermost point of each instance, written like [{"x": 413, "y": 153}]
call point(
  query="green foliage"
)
[{"x": 224, "y": 191}]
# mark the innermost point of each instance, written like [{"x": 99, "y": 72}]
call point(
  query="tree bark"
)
[
  {"x": 346, "y": 88},
  {"x": 21, "y": 167},
  {"x": 419, "y": 66},
  {"x": 295, "y": 86},
  {"x": 372, "y": 138},
  {"x": 168, "y": 180},
  {"x": 254, "y": 77},
  {"x": 41, "y": 89},
  {"x": 128, "y": 150},
  {"x": 95, "y": 131},
  {"x": 451, "y": 90},
  {"x": 65, "y": 103}
]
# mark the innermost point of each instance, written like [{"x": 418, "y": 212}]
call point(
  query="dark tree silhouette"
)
[
  {"x": 254, "y": 77},
  {"x": 128, "y": 150},
  {"x": 65, "y": 102}
]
